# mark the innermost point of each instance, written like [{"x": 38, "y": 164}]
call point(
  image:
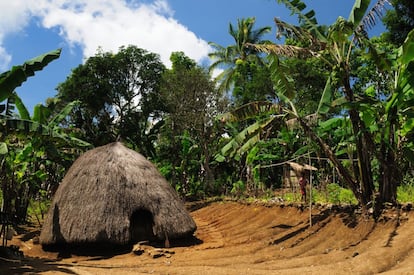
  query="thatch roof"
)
[
  {"x": 299, "y": 168},
  {"x": 114, "y": 195}
]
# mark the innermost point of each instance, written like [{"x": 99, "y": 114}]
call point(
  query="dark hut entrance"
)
[{"x": 141, "y": 226}]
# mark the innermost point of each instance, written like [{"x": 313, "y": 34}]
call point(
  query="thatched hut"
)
[
  {"x": 114, "y": 195},
  {"x": 293, "y": 172}
]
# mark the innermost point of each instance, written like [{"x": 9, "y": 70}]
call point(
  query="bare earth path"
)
[{"x": 236, "y": 238}]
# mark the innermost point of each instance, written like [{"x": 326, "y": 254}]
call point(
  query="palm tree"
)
[
  {"x": 337, "y": 48},
  {"x": 380, "y": 128},
  {"x": 230, "y": 56}
]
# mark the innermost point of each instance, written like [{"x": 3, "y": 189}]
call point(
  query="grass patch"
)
[
  {"x": 37, "y": 210},
  {"x": 405, "y": 193},
  {"x": 335, "y": 194}
]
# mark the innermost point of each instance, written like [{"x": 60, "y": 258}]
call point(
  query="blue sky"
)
[{"x": 79, "y": 27}]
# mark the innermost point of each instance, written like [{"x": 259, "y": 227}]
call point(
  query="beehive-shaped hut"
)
[{"x": 114, "y": 195}]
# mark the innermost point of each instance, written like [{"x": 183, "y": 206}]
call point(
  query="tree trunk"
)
[
  {"x": 362, "y": 140},
  {"x": 209, "y": 178},
  {"x": 7, "y": 188},
  {"x": 209, "y": 175},
  {"x": 21, "y": 202},
  {"x": 388, "y": 187},
  {"x": 7, "y": 193},
  {"x": 364, "y": 160},
  {"x": 342, "y": 171},
  {"x": 176, "y": 160},
  {"x": 389, "y": 171}
]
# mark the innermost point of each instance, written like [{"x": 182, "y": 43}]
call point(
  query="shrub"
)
[{"x": 405, "y": 193}]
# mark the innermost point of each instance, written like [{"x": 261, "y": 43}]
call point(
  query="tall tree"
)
[
  {"x": 119, "y": 97},
  {"x": 308, "y": 77},
  {"x": 242, "y": 65},
  {"x": 187, "y": 139},
  {"x": 245, "y": 74},
  {"x": 252, "y": 82},
  {"x": 399, "y": 21},
  {"x": 382, "y": 142}
]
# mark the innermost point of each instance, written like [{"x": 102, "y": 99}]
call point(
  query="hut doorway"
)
[{"x": 141, "y": 226}]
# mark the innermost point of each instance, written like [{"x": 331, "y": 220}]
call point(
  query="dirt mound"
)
[{"x": 240, "y": 238}]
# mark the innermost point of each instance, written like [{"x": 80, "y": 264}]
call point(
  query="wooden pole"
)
[{"x": 310, "y": 191}]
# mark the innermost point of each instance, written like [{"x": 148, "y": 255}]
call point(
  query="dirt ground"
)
[{"x": 251, "y": 238}]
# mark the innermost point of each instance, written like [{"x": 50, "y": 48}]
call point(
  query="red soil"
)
[{"x": 237, "y": 238}]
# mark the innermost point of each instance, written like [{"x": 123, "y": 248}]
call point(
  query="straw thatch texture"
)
[
  {"x": 103, "y": 190},
  {"x": 299, "y": 168}
]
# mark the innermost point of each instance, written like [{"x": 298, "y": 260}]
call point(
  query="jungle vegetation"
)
[{"x": 328, "y": 96}]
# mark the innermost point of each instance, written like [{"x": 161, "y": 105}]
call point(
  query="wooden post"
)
[{"x": 310, "y": 191}]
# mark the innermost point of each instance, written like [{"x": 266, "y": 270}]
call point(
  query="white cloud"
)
[
  {"x": 110, "y": 24},
  {"x": 14, "y": 18},
  {"x": 5, "y": 59}
]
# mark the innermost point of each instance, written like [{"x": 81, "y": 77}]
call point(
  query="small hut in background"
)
[
  {"x": 293, "y": 171},
  {"x": 113, "y": 195}
]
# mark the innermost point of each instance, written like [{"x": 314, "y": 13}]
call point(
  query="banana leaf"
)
[{"x": 15, "y": 77}]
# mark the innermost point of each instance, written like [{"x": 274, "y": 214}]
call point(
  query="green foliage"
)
[
  {"x": 252, "y": 82},
  {"x": 166, "y": 169},
  {"x": 399, "y": 21},
  {"x": 266, "y": 116},
  {"x": 290, "y": 197},
  {"x": 281, "y": 78},
  {"x": 187, "y": 138},
  {"x": 14, "y": 78},
  {"x": 358, "y": 11},
  {"x": 34, "y": 150},
  {"x": 119, "y": 98},
  {"x": 38, "y": 208},
  {"x": 37, "y": 156},
  {"x": 238, "y": 57},
  {"x": 307, "y": 20},
  {"x": 181, "y": 62},
  {"x": 326, "y": 98},
  {"x": 355, "y": 64},
  {"x": 308, "y": 84},
  {"x": 351, "y": 96},
  {"x": 238, "y": 188},
  {"x": 339, "y": 195},
  {"x": 332, "y": 194},
  {"x": 405, "y": 193}
]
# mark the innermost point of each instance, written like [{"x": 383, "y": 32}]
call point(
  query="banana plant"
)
[
  {"x": 379, "y": 126},
  {"x": 24, "y": 123},
  {"x": 266, "y": 116},
  {"x": 40, "y": 149},
  {"x": 15, "y": 77},
  {"x": 337, "y": 47},
  {"x": 30, "y": 146}
]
